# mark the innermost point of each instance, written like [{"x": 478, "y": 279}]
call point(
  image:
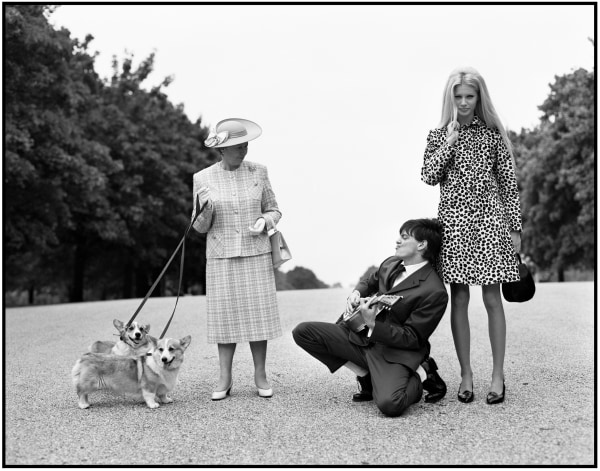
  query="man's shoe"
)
[
  {"x": 365, "y": 389},
  {"x": 434, "y": 384}
]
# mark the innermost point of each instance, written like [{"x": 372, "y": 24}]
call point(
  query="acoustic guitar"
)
[{"x": 354, "y": 319}]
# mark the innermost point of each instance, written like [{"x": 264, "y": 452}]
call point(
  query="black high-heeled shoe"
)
[
  {"x": 495, "y": 398},
  {"x": 466, "y": 396}
]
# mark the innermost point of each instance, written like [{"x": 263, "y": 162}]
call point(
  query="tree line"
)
[
  {"x": 98, "y": 173},
  {"x": 556, "y": 165}
]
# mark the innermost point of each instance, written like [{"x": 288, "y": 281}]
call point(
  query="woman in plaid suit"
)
[{"x": 240, "y": 282}]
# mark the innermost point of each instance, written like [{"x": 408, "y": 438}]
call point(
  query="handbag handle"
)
[{"x": 518, "y": 255}]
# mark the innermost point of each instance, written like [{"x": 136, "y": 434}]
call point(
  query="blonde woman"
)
[
  {"x": 470, "y": 156},
  {"x": 240, "y": 281}
]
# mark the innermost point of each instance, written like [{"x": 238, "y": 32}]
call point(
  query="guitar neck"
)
[{"x": 386, "y": 300}]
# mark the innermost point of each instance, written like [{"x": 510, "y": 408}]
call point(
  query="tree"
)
[
  {"x": 158, "y": 149},
  {"x": 303, "y": 278},
  {"x": 52, "y": 171},
  {"x": 281, "y": 281},
  {"x": 98, "y": 176},
  {"x": 369, "y": 271},
  {"x": 556, "y": 163}
]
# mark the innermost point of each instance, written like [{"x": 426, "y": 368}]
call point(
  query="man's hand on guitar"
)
[
  {"x": 368, "y": 313},
  {"x": 352, "y": 301}
]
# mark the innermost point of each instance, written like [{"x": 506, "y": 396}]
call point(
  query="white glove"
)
[
  {"x": 204, "y": 195},
  {"x": 258, "y": 227}
]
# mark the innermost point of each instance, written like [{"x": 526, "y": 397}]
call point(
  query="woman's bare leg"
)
[
  {"x": 461, "y": 331},
  {"x": 259, "y": 356},
  {"x": 497, "y": 331},
  {"x": 226, "y": 351}
]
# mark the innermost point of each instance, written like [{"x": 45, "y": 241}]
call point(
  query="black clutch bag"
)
[{"x": 522, "y": 290}]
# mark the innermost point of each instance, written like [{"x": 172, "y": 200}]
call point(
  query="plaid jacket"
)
[{"x": 239, "y": 198}]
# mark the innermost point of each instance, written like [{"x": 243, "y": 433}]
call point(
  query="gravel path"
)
[{"x": 547, "y": 418}]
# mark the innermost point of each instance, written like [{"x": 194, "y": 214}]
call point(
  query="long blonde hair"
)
[{"x": 484, "y": 108}]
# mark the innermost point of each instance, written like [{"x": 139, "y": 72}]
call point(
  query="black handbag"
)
[{"x": 522, "y": 290}]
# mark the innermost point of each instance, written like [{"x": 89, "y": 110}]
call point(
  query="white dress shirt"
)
[{"x": 410, "y": 269}]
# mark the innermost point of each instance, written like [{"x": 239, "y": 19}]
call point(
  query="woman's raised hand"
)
[
  {"x": 258, "y": 227},
  {"x": 452, "y": 132}
]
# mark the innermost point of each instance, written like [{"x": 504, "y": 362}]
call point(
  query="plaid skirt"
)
[{"x": 241, "y": 300}]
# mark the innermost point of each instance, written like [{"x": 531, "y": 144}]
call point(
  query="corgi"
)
[
  {"x": 133, "y": 340},
  {"x": 152, "y": 376}
]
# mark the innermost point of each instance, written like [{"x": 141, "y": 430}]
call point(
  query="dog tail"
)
[
  {"x": 100, "y": 346},
  {"x": 85, "y": 358}
]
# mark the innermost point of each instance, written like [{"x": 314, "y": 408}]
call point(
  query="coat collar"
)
[
  {"x": 413, "y": 280},
  {"x": 476, "y": 121}
]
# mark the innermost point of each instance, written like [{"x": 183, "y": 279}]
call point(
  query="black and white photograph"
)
[{"x": 299, "y": 234}]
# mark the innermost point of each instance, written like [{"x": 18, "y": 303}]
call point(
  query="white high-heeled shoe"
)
[
  {"x": 265, "y": 392},
  {"x": 218, "y": 395}
]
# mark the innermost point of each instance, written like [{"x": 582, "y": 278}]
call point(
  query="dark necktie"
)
[{"x": 397, "y": 272}]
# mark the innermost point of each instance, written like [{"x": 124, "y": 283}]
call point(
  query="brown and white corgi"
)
[
  {"x": 151, "y": 377},
  {"x": 133, "y": 340}
]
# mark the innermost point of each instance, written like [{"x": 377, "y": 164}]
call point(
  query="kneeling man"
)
[{"x": 391, "y": 354}]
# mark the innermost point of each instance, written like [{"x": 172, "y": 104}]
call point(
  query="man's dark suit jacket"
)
[{"x": 404, "y": 331}]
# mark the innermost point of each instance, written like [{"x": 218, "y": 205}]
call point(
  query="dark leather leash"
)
[{"x": 182, "y": 245}]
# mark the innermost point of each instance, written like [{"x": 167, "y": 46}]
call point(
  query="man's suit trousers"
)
[{"x": 395, "y": 387}]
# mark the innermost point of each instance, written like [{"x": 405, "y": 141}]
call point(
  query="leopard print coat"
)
[{"x": 479, "y": 204}]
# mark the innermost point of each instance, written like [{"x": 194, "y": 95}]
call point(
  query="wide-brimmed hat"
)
[{"x": 231, "y": 132}]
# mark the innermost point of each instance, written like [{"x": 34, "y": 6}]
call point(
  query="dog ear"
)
[
  {"x": 152, "y": 340},
  {"x": 118, "y": 325},
  {"x": 185, "y": 342},
  {"x": 146, "y": 328}
]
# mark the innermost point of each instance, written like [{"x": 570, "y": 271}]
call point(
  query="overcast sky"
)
[{"x": 345, "y": 94}]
